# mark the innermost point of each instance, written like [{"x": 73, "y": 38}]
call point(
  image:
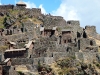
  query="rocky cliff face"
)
[{"x": 49, "y": 44}]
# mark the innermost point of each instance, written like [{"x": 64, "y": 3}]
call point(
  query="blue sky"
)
[{"x": 86, "y": 11}]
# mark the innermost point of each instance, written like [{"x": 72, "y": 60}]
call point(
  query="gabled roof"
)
[
  {"x": 49, "y": 28},
  {"x": 12, "y": 50},
  {"x": 7, "y": 60},
  {"x": 41, "y": 28},
  {"x": 54, "y": 28},
  {"x": 13, "y": 43},
  {"x": 66, "y": 30},
  {"x": 29, "y": 43}
]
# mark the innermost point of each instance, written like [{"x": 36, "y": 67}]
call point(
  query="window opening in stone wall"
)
[
  {"x": 14, "y": 68},
  {"x": 22, "y": 29},
  {"x": 78, "y": 35},
  {"x": 14, "y": 27},
  {"x": 79, "y": 44},
  {"x": 10, "y": 32},
  {"x": 68, "y": 22},
  {"x": 39, "y": 54},
  {"x": 67, "y": 49},
  {"x": 7, "y": 32},
  {"x": 91, "y": 43},
  {"x": 30, "y": 56},
  {"x": 84, "y": 35},
  {"x": 52, "y": 33},
  {"x": 41, "y": 32},
  {"x": 69, "y": 40},
  {"x": 59, "y": 39},
  {"x": 0, "y": 68},
  {"x": 64, "y": 41},
  {"x": 75, "y": 39}
]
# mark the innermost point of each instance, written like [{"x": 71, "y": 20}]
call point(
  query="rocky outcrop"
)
[{"x": 53, "y": 41}]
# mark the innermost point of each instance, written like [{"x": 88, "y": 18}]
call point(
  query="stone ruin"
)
[{"x": 55, "y": 38}]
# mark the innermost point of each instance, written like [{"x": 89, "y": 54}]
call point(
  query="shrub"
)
[{"x": 20, "y": 73}]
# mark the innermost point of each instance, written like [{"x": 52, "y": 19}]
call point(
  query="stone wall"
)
[
  {"x": 20, "y": 39},
  {"x": 9, "y": 70},
  {"x": 15, "y": 37},
  {"x": 31, "y": 12},
  {"x": 48, "y": 60},
  {"x": 28, "y": 26},
  {"x": 43, "y": 46},
  {"x": 6, "y": 7},
  {"x": 2, "y": 41},
  {"x": 98, "y": 57},
  {"x": 20, "y": 61},
  {"x": 60, "y": 48},
  {"x": 87, "y": 57},
  {"x": 75, "y": 26},
  {"x": 0, "y": 57},
  {"x": 34, "y": 12},
  {"x": 32, "y": 61},
  {"x": 19, "y": 8},
  {"x": 91, "y": 30},
  {"x": 85, "y": 42},
  {"x": 79, "y": 56},
  {"x": 43, "y": 42},
  {"x": 73, "y": 22},
  {"x": 12, "y": 71},
  {"x": 52, "y": 21},
  {"x": 59, "y": 55}
]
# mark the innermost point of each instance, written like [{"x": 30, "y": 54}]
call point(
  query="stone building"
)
[
  {"x": 11, "y": 45},
  {"x": 29, "y": 47},
  {"x": 14, "y": 53},
  {"x": 66, "y": 36},
  {"x": 86, "y": 44},
  {"x": 48, "y": 32}
]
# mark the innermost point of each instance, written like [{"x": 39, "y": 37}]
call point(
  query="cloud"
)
[
  {"x": 68, "y": 12},
  {"x": 86, "y": 11},
  {"x": 42, "y": 9},
  {"x": 30, "y": 5}
]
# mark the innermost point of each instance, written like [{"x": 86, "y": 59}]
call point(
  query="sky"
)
[{"x": 86, "y": 11}]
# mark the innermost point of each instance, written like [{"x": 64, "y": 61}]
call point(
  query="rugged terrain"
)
[{"x": 32, "y": 43}]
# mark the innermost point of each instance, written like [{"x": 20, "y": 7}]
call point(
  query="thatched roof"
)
[{"x": 21, "y": 3}]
